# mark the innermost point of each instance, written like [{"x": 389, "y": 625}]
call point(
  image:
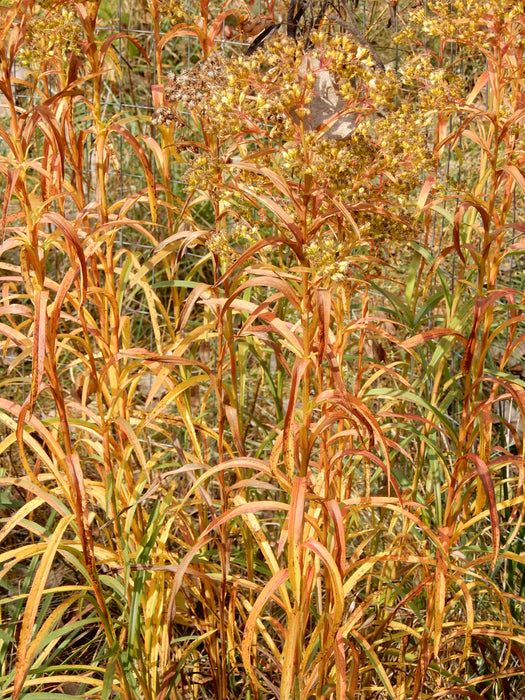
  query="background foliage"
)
[{"x": 262, "y": 388}]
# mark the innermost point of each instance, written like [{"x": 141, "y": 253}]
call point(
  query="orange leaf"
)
[
  {"x": 72, "y": 237},
  {"x": 80, "y": 506},
  {"x": 323, "y": 299},
  {"x": 425, "y": 191},
  {"x": 298, "y": 371},
  {"x": 440, "y": 592},
  {"x": 431, "y": 335},
  {"x": 488, "y": 486},
  {"x": 516, "y": 174},
  {"x": 337, "y": 590},
  {"x": 295, "y": 534},
  {"x": 39, "y": 345},
  {"x": 250, "y": 629},
  {"x": 478, "y": 87},
  {"x": 334, "y": 509},
  {"x": 12, "y": 178},
  {"x": 458, "y": 216},
  {"x": 340, "y": 666}
]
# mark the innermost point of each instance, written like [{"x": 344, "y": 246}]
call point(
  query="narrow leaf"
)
[
  {"x": 23, "y": 658},
  {"x": 249, "y": 640},
  {"x": 39, "y": 345}
]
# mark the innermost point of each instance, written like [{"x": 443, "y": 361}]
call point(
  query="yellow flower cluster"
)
[
  {"x": 204, "y": 172},
  {"x": 219, "y": 244},
  {"x": 438, "y": 87},
  {"x": 330, "y": 259},
  {"x": 271, "y": 90},
  {"x": 462, "y": 21},
  {"x": 226, "y": 243},
  {"x": 173, "y": 10},
  {"x": 51, "y": 35},
  {"x": 381, "y": 161},
  {"x": 263, "y": 101}
]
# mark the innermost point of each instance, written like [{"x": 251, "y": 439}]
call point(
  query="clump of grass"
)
[
  {"x": 260, "y": 459},
  {"x": 64, "y": 282}
]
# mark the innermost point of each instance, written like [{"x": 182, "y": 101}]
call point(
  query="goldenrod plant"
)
[{"x": 262, "y": 430}]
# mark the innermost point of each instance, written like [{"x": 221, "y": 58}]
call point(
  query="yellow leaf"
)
[{"x": 23, "y": 655}]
